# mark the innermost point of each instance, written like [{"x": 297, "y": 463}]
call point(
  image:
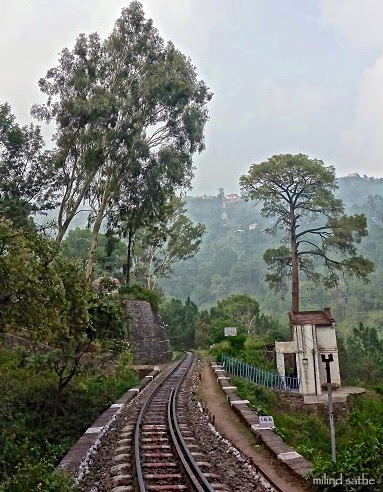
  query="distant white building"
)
[{"x": 232, "y": 198}]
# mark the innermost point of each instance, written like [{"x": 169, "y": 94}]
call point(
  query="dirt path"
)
[{"x": 230, "y": 426}]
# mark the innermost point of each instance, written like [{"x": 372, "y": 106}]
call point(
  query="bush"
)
[
  {"x": 253, "y": 344},
  {"x": 181, "y": 323},
  {"x": 38, "y": 477},
  {"x": 249, "y": 350},
  {"x": 237, "y": 342},
  {"x": 106, "y": 316},
  {"x": 254, "y": 354},
  {"x": 138, "y": 293},
  {"x": 359, "y": 436},
  {"x": 32, "y": 439},
  {"x": 220, "y": 348}
]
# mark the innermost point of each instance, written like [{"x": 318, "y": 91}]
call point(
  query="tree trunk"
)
[
  {"x": 63, "y": 227},
  {"x": 57, "y": 398},
  {"x": 294, "y": 279},
  {"x": 129, "y": 259},
  {"x": 95, "y": 232},
  {"x": 151, "y": 281},
  {"x": 294, "y": 266}
]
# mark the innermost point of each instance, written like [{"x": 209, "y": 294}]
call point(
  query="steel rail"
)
[
  {"x": 194, "y": 473},
  {"x": 137, "y": 456}
]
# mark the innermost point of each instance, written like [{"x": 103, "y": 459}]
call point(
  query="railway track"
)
[
  {"x": 165, "y": 456},
  {"x": 164, "y": 442}
]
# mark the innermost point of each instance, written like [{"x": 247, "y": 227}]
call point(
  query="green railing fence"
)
[{"x": 259, "y": 376}]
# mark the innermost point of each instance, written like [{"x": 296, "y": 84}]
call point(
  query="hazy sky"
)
[{"x": 287, "y": 75}]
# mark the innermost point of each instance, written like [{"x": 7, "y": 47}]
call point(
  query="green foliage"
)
[
  {"x": 105, "y": 388},
  {"x": 69, "y": 339},
  {"x": 123, "y": 366},
  {"x": 237, "y": 342},
  {"x": 225, "y": 263},
  {"x": 249, "y": 350},
  {"x": 359, "y": 435},
  {"x": 359, "y": 443},
  {"x": 362, "y": 357},
  {"x": 40, "y": 476},
  {"x": 26, "y": 171},
  {"x": 30, "y": 286},
  {"x": 255, "y": 353},
  {"x": 277, "y": 260},
  {"x": 130, "y": 114},
  {"x": 230, "y": 262},
  {"x": 240, "y": 311},
  {"x": 107, "y": 319},
  {"x": 260, "y": 398},
  {"x": 42, "y": 294},
  {"x": 110, "y": 256},
  {"x": 220, "y": 348},
  {"x": 140, "y": 293},
  {"x": 47, "y": 299},
  {"x": 173, "y": 239},
  {"x": 253, "y": 344},
  {"x": 181, "y": 321},
  {"x": 32, "y": 439}
]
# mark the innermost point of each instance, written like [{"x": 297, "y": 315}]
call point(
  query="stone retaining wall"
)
[
  {"x": 147, "y": 334},
  {"x": 280, "y": 449}
]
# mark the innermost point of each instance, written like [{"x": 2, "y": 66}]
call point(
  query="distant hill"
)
[{"x": 230, "y": 259}]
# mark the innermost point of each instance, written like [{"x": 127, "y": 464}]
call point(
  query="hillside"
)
[{"x": 230, "y": 259}]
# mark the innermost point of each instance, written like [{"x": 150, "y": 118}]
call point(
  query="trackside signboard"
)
[
  {"x": 266, "y": 422},
  {"x": 230, "y": 331}
]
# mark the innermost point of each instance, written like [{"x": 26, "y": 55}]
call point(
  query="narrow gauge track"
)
[
  {"x": 163, "y": 460},
  {"x": 144, "y": 454}
]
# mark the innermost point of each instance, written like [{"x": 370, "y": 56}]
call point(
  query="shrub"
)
[
  {"x": 249, "y": 350},
  {"x": 359, "y": 437},
  {"x": 38, "y": 477},
  {"x": 139, "y": 293},
  {"x": 220, "y": 348},
  {"x": 254, "y": 344},
  {"x": 32, "y": 439},
  {"x": 106, "y": 316},
  {"x": 237, "y": 342}
]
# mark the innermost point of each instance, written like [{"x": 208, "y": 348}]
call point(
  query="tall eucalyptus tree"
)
[{"x": 119, "y": 104}]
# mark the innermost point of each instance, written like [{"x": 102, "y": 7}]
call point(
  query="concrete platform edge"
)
[{"x": 271, "y": 440}]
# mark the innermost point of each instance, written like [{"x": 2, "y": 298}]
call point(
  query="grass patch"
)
[{"x": 359, "y": 434}]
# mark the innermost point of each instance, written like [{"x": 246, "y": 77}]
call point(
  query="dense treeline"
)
[{"x": 187, "y": 327}]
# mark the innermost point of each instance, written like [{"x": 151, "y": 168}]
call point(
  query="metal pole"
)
[
  {"x": 332, "y": 425},
  {"x": 330, "y": 407}
]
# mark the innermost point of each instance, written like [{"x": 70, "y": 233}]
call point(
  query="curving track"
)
[
  {"x": 163, "y": 459},
  {"x": 163, "y": 442}
]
